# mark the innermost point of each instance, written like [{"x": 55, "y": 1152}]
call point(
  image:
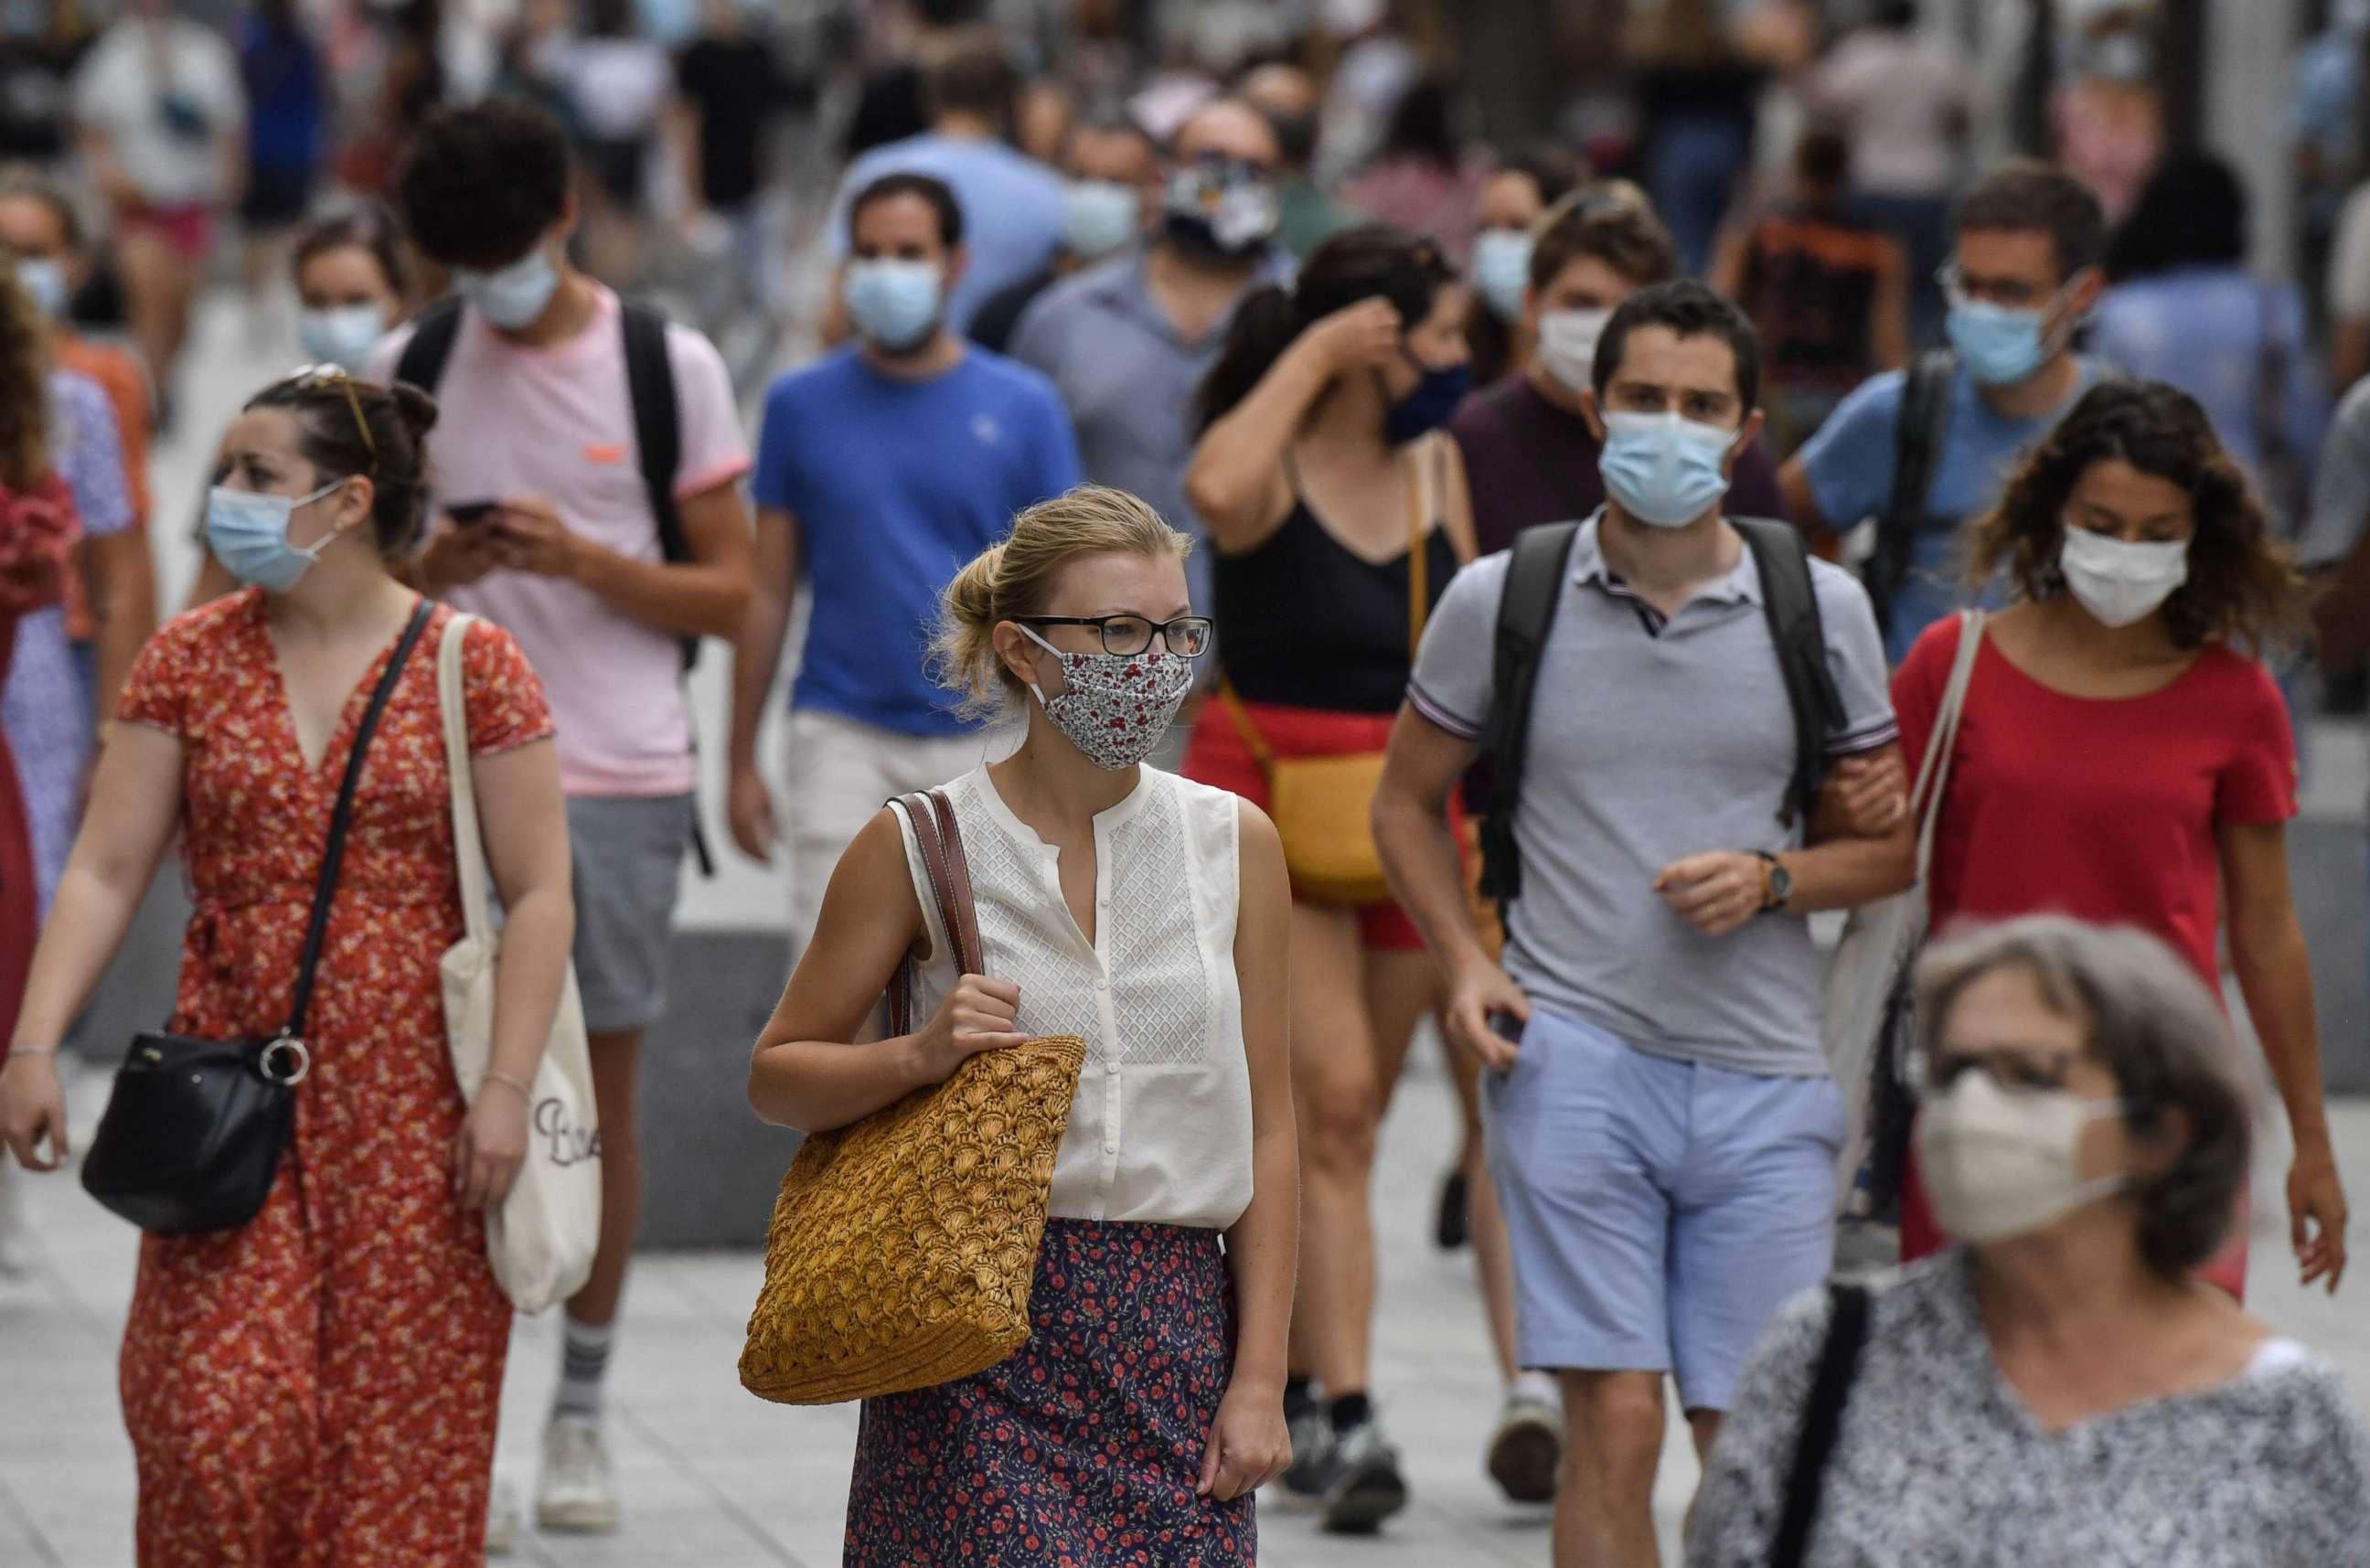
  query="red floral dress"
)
[{"x": 320, "y": 1386}]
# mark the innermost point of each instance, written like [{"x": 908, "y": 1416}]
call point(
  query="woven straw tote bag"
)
[{"x": 903, "y": 1245}]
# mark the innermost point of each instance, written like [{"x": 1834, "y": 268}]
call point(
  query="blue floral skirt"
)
[{"x": 1082, "y": 1449}]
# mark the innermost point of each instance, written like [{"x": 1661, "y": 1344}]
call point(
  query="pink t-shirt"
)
[{"x": 558, "y": 422}]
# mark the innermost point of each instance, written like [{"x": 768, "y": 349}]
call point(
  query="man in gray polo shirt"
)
[{"x": 1662, "y": 1126}]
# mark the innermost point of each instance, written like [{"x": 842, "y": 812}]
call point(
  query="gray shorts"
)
[{"x": 628, "y": 861}]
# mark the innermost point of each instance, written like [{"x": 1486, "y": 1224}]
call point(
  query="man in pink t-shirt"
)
[{"x": 544, "y": 523}]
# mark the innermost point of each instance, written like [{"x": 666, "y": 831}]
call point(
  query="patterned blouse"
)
[{"x": 1939, "y": 1464}]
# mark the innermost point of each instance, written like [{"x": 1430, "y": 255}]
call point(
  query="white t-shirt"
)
[
  {"x": 617, "y": 85},
  {"x": 163, "y": 94},
  {"x": 1902, "y": 94}
]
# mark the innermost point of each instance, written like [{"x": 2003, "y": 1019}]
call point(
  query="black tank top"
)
[{"x": 1307, "y": 622}]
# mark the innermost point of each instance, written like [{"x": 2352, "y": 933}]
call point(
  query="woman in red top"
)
[{"x": 2122, "y": 757}]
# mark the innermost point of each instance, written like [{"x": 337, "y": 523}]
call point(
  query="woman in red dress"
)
[
  {"x": 2122, "y": 757},
  {"x": 318, "y": 1385}
]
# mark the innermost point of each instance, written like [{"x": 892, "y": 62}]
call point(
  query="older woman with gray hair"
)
[{"x": 2057, "y": 1389}]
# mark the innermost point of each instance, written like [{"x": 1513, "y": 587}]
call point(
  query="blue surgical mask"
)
[
  {"x": 1429, "y": 406},
  {"x": 342, "y": 336},
  {"x": 247, "y": 531},
  {"x": 1664, "y": 470},
  {"x": 894, "y": 303},
  {"x": 1100, "y": 216},
  {"x": 1501, "y": 271},
  {"x": 1999, "y": 347},
  {"x": 44, "y": 279},
  {"x": 516, "y": 296}
]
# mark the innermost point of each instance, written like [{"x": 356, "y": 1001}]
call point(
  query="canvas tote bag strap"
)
[
  {"x": 468, "y": 840},
  {"x": 934, "y": 835},
  {"x": 1934, "y": 770},
  {"x": 1421, "y": 492}
]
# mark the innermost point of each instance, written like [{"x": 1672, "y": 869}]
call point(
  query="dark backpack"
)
[
  {"x": 1920, "y": 428},
  {"x": 1535, "y": 578},
  {"x": 650, "y": 381}
]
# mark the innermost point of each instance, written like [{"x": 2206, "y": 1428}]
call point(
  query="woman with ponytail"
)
[
  {"x": 1338, "y": 513},
  {"x": 320, "y": 1384}
]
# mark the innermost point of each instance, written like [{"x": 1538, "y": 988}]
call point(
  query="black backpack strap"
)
[
  {"x": 1535, "y": 568},
  {"x": 1920, "y": 428},
  {"x": 1822, "y": 1419},
  {"x": 430, "y": 349},
  {"x": 657, "y": 431},
  {"x": 1790, "y": 600}
]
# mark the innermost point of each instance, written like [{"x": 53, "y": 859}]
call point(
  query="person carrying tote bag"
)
[{"x": 542, "y": 1236}]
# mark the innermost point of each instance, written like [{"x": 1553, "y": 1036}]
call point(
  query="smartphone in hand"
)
[{"x": 470, "y": 512}]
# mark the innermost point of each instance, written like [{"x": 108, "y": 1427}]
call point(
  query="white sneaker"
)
[
  {"x": 502, "y": 1520},
  {"x": 579, "y": 1495}
]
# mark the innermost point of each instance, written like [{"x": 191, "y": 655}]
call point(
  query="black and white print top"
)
[{"x": 1939, "y": 1463}]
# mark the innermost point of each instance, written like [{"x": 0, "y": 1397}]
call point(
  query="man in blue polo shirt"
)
[{"x": 881, "y": 468}]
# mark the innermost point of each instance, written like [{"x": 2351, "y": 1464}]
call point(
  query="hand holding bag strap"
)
[
  {"x": 468, "y": 843},
  {"x": 1822, "y": 1417},
  {"x": 1934, "y": 768},
  {"x": 325, "y": 892}
]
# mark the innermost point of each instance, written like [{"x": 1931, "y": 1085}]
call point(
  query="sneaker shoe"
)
[
  {"x": 1526, "y": 1449},
  {"x": 1453, "y": 1226},
  {"x": 1305, "y": 1480},
  {"x": 579, "y": 1493},
  {"x": 502, "y": 1520},
  {"x": 1366, "y": 1487}
]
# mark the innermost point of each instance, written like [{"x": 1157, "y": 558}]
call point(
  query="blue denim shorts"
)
[{"x": 1661, "y": 1211}]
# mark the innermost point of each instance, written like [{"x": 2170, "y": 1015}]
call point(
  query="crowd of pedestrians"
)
[{"x": 1302, "y": 577}]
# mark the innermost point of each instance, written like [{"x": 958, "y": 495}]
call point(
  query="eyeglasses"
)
[
  {"x": 2007, "y": 296},
  {"x": 312, "y": 377},
  {"x": 1131, "y": 635}
]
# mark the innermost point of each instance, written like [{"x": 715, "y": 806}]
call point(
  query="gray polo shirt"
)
[{"x": 1652, "y": 740}]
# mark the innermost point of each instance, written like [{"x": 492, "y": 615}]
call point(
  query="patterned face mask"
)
[{"x": 1115, "y": 707}]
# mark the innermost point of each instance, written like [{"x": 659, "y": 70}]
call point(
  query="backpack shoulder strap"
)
[
  {"x": 1536, "y": 569},
  {"x": 1790, "y": 600},
  {"x": 1822, "y": 1416},
  {"x": 425, "y": 356},
  {"x": 658, "y": 430},
  {"x": 1920, "y": 428}
]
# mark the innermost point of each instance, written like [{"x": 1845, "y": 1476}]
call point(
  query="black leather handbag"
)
[{"x": 193, "y": 1133}]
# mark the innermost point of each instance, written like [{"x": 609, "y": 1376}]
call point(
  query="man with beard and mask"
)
[
  {"x": 881, "y": 467},
  {"x": 1531, "y": 454},
  {"x": 1127, "y": 342},
  {"x": 1113, "y": 170},
  {"x": 1306, "y": 216},
  {"x": 1662, "y": 1126}
]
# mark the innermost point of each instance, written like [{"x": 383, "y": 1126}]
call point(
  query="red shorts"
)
[
  {"x": 190, "y": 230},
  {"x": 1218, "y": 756}
]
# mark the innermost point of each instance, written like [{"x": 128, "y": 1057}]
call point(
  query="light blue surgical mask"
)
[
  {"x": 1664, "y": 470},
  {"x": 513, "y": 297},
  {"x": 342, "y": 336},
  {"x": 1501, "y": 271},
  {"x": 2000, "y": 347},
  {"x": 44, "y": 279},
  {"x": 1100, "y": 216},
  {"x": 247, "y": 531},
  {"x": 894, "y": 303}
]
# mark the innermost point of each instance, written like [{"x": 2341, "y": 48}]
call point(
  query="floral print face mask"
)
[{"x": 1115, "y": 707}]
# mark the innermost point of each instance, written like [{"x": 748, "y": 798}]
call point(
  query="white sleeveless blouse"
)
[{"x": 1160, "y": 1130}]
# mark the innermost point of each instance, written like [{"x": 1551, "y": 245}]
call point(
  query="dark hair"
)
[
  {"x": 1424, "y": 122},
  {"x": 395, "y": 459},
  {"x": 25, "y": 459},
  {"x": 1689, "y": 310},
  {"x": 1823, "y": 158},
  {"x": 2035, "y": 198},
  {"x": 1365, "y": 262},
  {"x": 609, "y": 19},
  {"x": 978, "y": 80},
  {"x": 2241, "y": 587},
  {"x": 1624, "y": 235},
  {"x": 367, "y": 225},
  {"x": 1554, "y": 169},
  {"x": 930, "y": 189},
  {"x": 482, "y": 183},
  {"x": 2192, "y": 213},
  {"x": 24, "y": 179}
]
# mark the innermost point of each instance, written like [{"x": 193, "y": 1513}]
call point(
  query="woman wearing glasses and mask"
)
[
  {"x": 1149, "y": 916},
  {"x": 320, "y": 1383},
  {"x": 2121, "y": 753},
  {"x": 1339, "y": 510},
  {"x": 2060, "y": 1389}
]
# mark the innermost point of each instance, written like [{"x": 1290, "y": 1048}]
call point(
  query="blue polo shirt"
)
[{"x": 895, "y": 486}]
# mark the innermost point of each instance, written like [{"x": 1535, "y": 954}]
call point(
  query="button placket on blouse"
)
[{"x": 1113, "y": 1099}]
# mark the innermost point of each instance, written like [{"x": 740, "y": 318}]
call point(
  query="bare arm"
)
[
  {"x": 1722, "y": 890},
  {"x": 1726, "y": 276},
  {"x": 2267, "y": 949},
  {"x": 2349, "y": 356},
  {"x": 1888, "y": 322},
  {"x": 523, "y": 813},
  {"x": 124, "y": 603},
  {"x": 756, "y": 656}
]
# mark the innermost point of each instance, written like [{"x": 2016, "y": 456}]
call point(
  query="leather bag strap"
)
[
  {"x": 935, "y": 834},
  {"x": 325, "y": 892}
]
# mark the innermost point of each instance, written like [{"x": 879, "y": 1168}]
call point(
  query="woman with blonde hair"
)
[{"x": 1149, "y": 916}]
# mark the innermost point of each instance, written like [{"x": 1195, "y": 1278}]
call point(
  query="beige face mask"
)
[{"x": 1998, "y": 1165}]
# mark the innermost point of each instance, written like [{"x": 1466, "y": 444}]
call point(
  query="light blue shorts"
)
[{"x": 1661, "y": 1211}]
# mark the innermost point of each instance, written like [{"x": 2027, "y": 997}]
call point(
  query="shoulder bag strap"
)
[
  {"x": 1934, "y": 768},
  {"x": 325, "y": 892},
  {"x": 468, "y": 840},
  {"x": 932, "y": 818},
  {"x": 1420, "y": 491},
  {"x": 1822, "y": 1417}
]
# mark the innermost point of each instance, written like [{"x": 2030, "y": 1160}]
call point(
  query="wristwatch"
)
[{"x": 1780, "y": 879}]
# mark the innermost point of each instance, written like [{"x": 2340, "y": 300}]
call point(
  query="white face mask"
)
[
  {"x": 2118, "y": 583},
  {"x": 1568, "y": 346},
  {"x": 1998, "y": 1165}
]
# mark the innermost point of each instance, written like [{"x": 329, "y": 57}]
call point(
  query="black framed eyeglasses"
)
[
  {"x": 1131, "y": 635},
  {"x": 310, "y": 377}
]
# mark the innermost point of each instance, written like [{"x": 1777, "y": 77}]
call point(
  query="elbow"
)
[
  {"x": 1900, "y": 868},
  {"x": 767, "y": 1097},
  {"x": 1214, "y": 498},
  {"x": 728, "y": 614}
]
